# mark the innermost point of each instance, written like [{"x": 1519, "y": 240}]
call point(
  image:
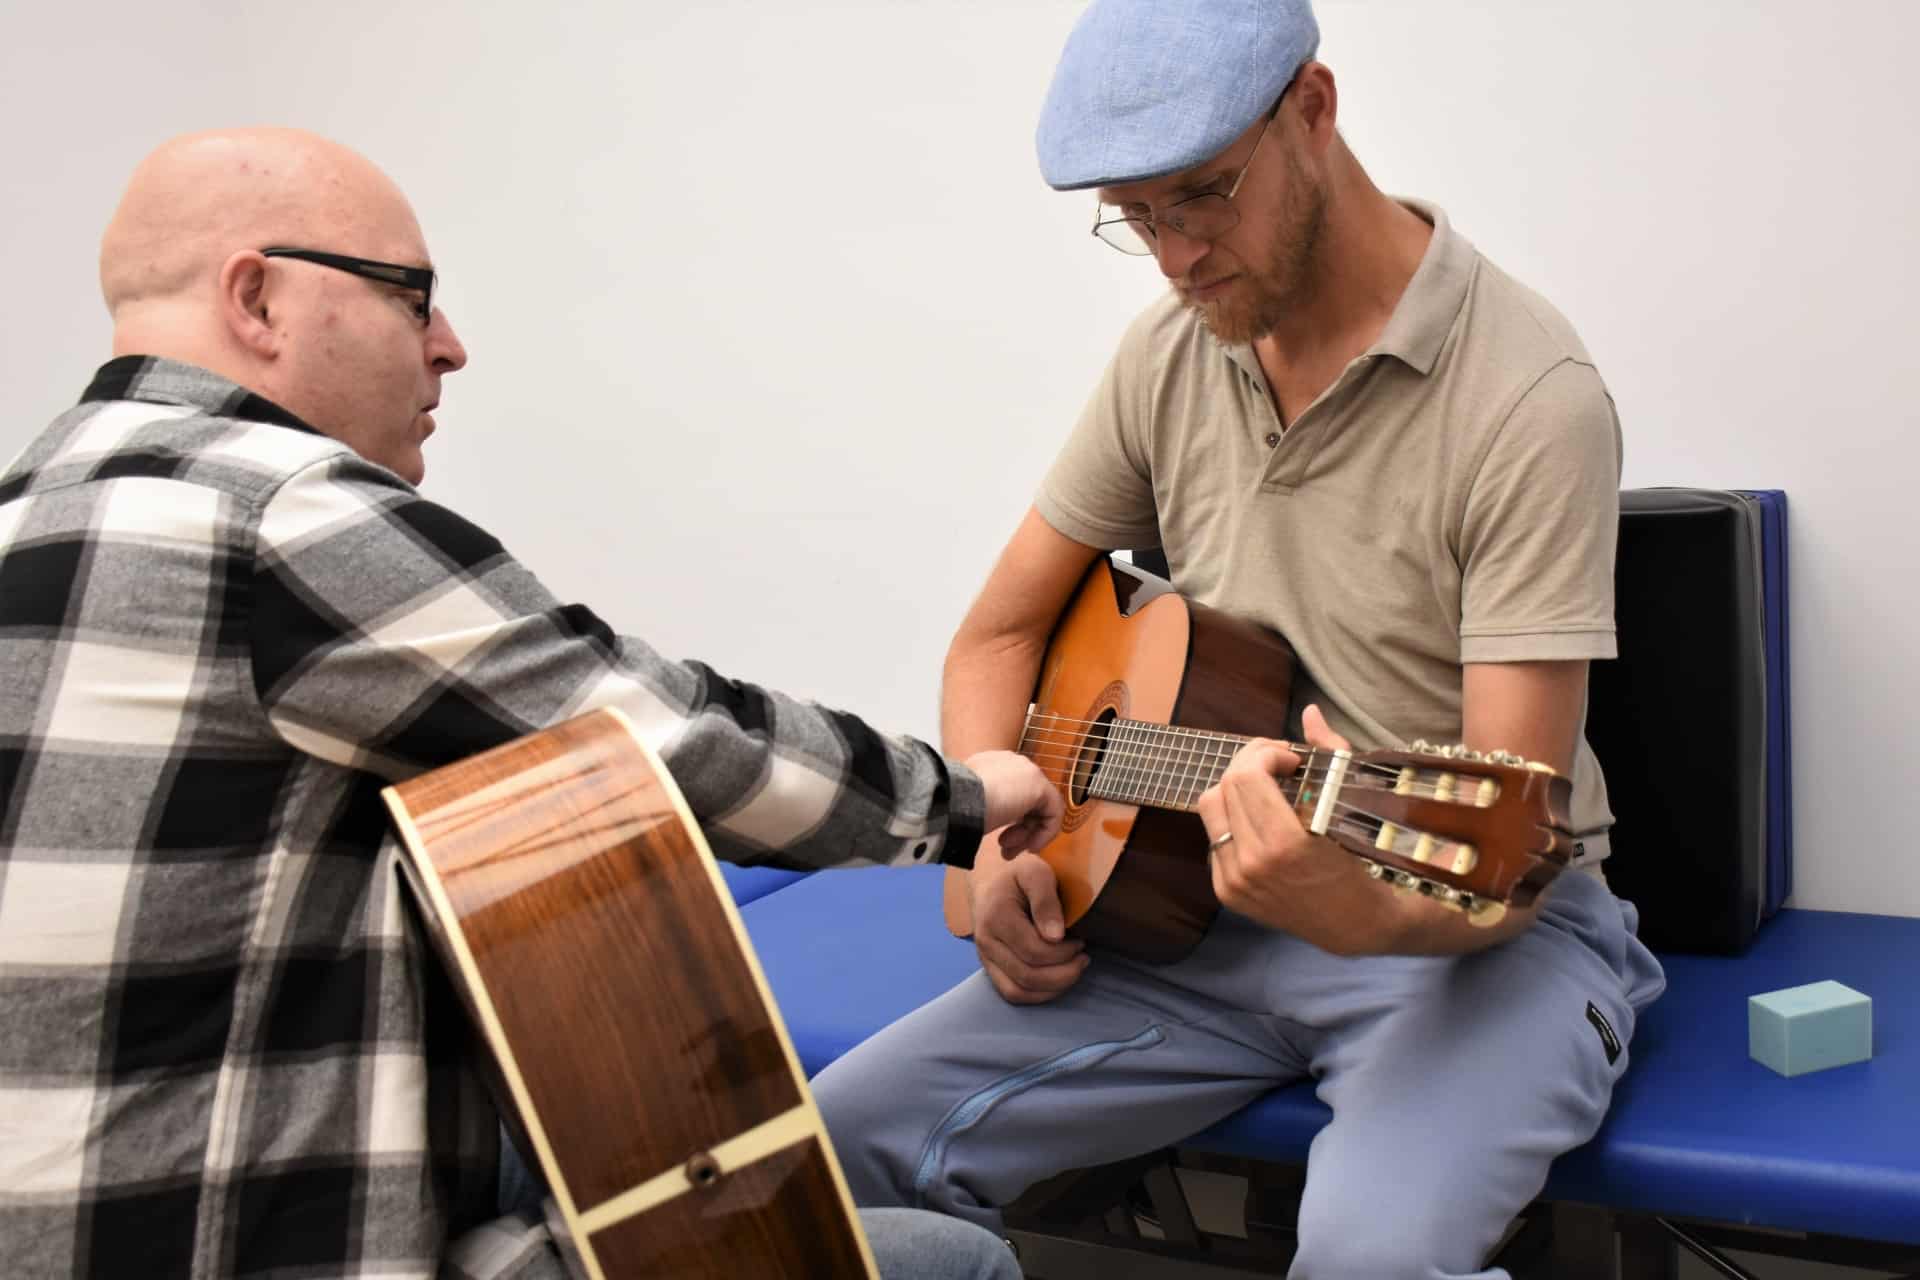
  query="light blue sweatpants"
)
[{"x": 1454, "y": 1081}]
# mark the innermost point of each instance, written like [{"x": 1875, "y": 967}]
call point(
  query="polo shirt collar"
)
[
  {"x": 1428, "y": 307},
  {"x": 1425, "y": 314}
]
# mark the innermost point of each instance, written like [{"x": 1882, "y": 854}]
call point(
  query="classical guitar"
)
[
  {"x": 634, "y": 1048},
  {"x": 1141, "y": 701}
]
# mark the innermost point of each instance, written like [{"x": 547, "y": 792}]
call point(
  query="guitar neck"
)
[{"x": 1155, "y": 766}]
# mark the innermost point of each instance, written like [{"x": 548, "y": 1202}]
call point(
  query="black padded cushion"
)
[{"x": 1679, "y": 720}]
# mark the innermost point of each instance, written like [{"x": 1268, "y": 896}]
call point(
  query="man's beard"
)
[{"x": 1254, "y": 305}]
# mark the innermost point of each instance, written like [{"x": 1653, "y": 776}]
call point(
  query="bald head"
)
[
  {"x": 184, "y": 277},
  {"x": 200, "y": 197}
]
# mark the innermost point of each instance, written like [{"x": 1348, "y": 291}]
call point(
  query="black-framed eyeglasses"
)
[
  {"x": 420, "y": 278},
  {"x": 1206, "y": 216}
]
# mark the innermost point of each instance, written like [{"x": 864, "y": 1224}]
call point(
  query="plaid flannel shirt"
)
[{"x": 225, "y": 1050}]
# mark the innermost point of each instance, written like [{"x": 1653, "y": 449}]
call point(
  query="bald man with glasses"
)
[{"x": 228, "y": 618}]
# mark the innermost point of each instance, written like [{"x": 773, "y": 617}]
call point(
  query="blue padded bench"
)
[
  {"x": 748, "y": 883},
  {"x": 1701, "y": 1140}
]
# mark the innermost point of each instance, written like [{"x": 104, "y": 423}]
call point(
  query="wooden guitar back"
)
[{"x": 640, "y": 1056}]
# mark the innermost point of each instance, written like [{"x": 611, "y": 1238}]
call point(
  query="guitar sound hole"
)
[{"x": 1093, "y": 749}]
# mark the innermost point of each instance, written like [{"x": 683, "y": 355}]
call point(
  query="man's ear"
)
[
  {"x": 1319, "y": 101},
  {"x": 246, "y": 305}
]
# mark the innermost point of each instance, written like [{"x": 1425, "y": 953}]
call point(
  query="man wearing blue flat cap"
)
[{"x": 1343, "y": 422}]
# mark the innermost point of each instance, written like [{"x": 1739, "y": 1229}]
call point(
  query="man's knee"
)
[
  {"x": 926, "y": 1246},
  {"x": 1378, "y": 1250},
  {"x": 866, "y": 1127},
  {"x": 1390, "y": 1235}
]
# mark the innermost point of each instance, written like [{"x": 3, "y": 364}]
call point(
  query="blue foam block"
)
[{"x": 1810, "y": 1028}]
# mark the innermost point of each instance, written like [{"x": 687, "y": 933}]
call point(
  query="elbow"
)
[{"x": 974, "y": 647}]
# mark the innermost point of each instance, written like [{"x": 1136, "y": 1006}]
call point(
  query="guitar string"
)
[
  {"x": 1158, "y": 730},
  {"x": 1145, "y": 729},
  {"x": 1140, "y": 729},
  {"x": 1195, "y": 774},
  {"x": 1132, "y": 745},
  {"x": 1148, "y": 776},
  {"x": 1190, "y": 752},
  {"x": 1170, "y": 789},
  {"x": 1157, "y": 768},
  {"x": 1348, "y": 813}
]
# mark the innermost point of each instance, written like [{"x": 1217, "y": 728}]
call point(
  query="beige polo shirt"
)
[{"x": 1453, "y": 497}]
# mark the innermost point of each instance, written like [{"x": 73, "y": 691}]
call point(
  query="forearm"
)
[
  {"x": 779, "y": 779},
  {"x": 449, "y": 673},
  {"x": 1332, "y": 902},
  {"x": 986, "y": 687}
]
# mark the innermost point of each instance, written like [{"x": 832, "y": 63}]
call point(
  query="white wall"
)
[{"x": 774, "y": 325}]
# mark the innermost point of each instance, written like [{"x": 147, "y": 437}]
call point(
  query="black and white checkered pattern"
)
[{"x": 224, "y": 1051}]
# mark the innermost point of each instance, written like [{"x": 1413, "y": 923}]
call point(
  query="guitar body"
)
[
  {"x": 1135, "y": 878},
  {"x": 635, "y": 1049}
]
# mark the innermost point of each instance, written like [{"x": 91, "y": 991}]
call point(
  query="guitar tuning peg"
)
[
  {"x": 1483, "y": 913},
  {"x": 1423, "y": 747}
]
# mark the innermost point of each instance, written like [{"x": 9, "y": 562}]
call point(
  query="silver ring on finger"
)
[{"x": 1219, "y": 840}]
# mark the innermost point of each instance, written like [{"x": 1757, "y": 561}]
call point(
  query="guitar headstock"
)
[{"x": 1476, "y": 831}]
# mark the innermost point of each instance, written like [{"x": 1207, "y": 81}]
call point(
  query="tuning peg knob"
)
[{"x": 1484, "y": 915}]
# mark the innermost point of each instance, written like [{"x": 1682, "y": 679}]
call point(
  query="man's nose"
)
[
  {"x": 445, "y": 352},
  {"x": 1176, "y": 252}
]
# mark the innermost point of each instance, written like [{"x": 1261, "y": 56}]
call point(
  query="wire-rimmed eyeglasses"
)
[{"x": 1205, "y": 216}]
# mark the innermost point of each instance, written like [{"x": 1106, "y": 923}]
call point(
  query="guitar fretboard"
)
[{"x": 1156, "y": 766}]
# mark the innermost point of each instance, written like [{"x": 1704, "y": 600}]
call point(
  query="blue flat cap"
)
[{"x": 1145, "y": 88}]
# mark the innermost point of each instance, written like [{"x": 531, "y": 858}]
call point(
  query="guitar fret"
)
[
  {"x": 1134, "y": 770},
  {"x": 1121, "y": 751},
  {"x": 1170, "y": 768},
  {"x": 1149, "y": 768},
  {"x": 1189, "y": 773}
]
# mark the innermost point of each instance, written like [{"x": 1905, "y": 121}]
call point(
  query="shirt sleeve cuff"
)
[
  {"x": 1551, "y": 646},
  {"x": 966, "y": 816}
]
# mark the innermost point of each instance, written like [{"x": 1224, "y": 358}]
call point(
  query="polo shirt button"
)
[{"x": 1273, "y": 439}]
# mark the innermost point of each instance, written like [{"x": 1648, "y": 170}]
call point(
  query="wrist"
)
[{"x": 966, "y": 816}]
